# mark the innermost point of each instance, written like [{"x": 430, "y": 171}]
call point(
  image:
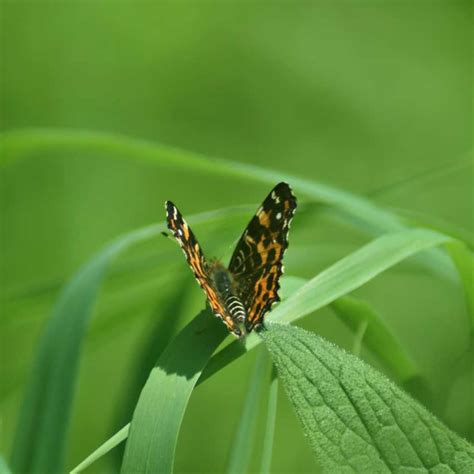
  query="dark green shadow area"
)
[{"x": 159, "y": 413}]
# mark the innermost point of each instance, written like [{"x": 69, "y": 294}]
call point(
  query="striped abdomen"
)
[{"x": 235, "y": 308}]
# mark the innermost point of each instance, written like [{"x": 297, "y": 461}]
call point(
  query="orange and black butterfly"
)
[{"x": 244, "y": 292}]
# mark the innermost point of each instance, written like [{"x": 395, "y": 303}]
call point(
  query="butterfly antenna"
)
[{"x": 168, "y": 236}]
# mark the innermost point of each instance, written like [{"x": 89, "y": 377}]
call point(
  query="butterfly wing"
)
[
  {"x": 195, "y": 257},
  {"x": 257, "y": 261}
]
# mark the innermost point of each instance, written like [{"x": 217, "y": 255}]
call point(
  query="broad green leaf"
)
[
  {"x": 241, "y": 447},
  {"x": 341, "y": 278},
  {"x": 354, "y": 418},
  {"x": 159, "y": 412},
  {"x": 291, "y": 283},
  {"x": 103, "y": 449},
  {"x": 377, "y": 337},
  {"x": 269, "y": 434}
]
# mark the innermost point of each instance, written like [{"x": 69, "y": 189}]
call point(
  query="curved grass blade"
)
[
  {"x": 4, "y": 469},
  {"x": 269, "y": 435},
  {"x": 161, "y": 331},
  {"x": 158, "y": 415},
  {"x": 462, "y": 163},
  {"x": 41, "y": 434},
  {"x": 241, "y": 447},
  {"x": 20, "y": 143},
  {"x": 40, "y": 439},
  {"x": 356, "y": 269},
  {"x": 359, "y": 211},
  {"x": 359, "y": 337},
  {"x": 341, "y": 278},
  {"x": 354, "y": 418},
  {"x": 427, "y": 221},
  {"x": 103, "y": 449},
  {"x": 377, "y": 337},
  {"x": 463, "y": 259}
]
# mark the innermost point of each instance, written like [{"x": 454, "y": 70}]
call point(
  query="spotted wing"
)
[
  {"x": 257, "y": 261},
  {"x": 193, "y": 253}
]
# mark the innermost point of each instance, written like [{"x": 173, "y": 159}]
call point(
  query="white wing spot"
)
[
  {"x": 278, "y": 216},
  {"x": 180, "y": 232}
]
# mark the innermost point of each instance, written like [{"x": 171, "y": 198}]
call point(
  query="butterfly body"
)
[
  {"x": 245, "y": 291},
  {"x": 227, "y": 289}
]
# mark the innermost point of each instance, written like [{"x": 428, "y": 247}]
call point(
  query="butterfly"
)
[{"x": 244, "y": 292}]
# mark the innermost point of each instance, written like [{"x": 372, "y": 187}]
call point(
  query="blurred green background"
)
[{"x": 372, "y": 97}]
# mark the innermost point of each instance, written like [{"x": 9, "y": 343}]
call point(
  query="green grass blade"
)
[
  {"x": 161, "y": 331},
  {"x": 40, "y": 440},
  {"x": 238, "y": 348},
  {"x": 103, "y": 449},
  {"x": 341, "y": 278},
  {"x": 463, "y": 259},
  {"x": 270, "y": 423},
  {"x": 361, "y": 212},
  {"x": 4, "y": 469},
  {"x": 241, "y": 447},
  {"x": 158, "y": 415},
  {"x": 377, "y": 338},
  {"x": 359, "y": 337},
  {"x": 21, "y": 143},
  {"x": 353, "y": 271},
  {"x": 428, "y": 221},
  {"x": 41, "y": 434},
  {"x": 354, "y": 418},
  {"x": 462, "y": 163}
]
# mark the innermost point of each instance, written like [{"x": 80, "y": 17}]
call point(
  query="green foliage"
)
[
  {"x": 157, "y": 418},
  {"x": 4, "y": 469},
  {"x": 464, "y": 261},
  {"x": 44, "y": 419},
  {"x": 344, "y": 276},
  {"x": 265, "y": 466},
  {"x": 167, "y": 385},
  {"x": 376, "y": 336},
  {"x": 100, "y": 125},
  {"x": 355, "y": 419},
  {"x": 42, "y": 425},
  {"x": 45, "y": 415},
  {"x": 241, "y": 447},
  {"x": 102, "y": 450}
]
